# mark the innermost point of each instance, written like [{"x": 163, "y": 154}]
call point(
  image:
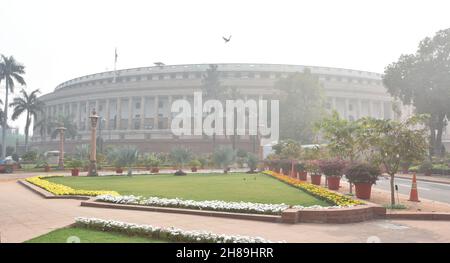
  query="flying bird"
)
[{"x": 227, "y": 39}]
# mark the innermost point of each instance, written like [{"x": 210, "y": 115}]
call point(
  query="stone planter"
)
[
  {"x": 363, "y": 190},
  {"x": 334, "y": 182},
  {"x": 316, "y": 178},
  {"x": 75, "y": 171},
  {"x": 194, "y": 169},
  {"x": 154, "y": 170},
  {"x": 119, "y": 170},
  {"x": 303, "y": 176}
]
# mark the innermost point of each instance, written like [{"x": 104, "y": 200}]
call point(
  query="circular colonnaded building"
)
[{"x": 134, "y": 104}]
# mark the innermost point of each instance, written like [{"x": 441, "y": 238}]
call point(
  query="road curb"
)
[
  {"x": 423, "y": 180},
  {"x": 419, "y": 216}
]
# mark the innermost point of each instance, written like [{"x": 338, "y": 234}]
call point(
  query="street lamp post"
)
[
  {"x": 93, "y": 159},
  {"x": 61, "y": 131}
]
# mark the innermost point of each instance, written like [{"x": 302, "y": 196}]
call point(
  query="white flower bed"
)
[
  {"x": 170, "y": 233},
  {"x": 215, "y": 205}
]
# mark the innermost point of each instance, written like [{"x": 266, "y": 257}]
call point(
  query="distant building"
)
[{"x": 134, "y": 104}]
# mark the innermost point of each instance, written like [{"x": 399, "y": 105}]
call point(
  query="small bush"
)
[
  {"x": 362, "y": 173},
  {"x": 332, "y": 167}
]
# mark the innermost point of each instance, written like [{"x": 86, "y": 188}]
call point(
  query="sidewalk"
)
[{"x": 443, "y": 179}]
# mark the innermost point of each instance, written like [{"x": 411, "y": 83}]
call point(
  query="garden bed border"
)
[{"x": 48, "y": 195}]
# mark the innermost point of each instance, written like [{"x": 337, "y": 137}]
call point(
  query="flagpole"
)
[{"x": 115, "y": 64}]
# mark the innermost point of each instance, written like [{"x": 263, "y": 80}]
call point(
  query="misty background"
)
[{"x": 61, "y": 40}]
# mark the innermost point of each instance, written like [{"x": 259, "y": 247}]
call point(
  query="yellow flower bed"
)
[
  {"x": 320, "y": 192},
  {"x": 59, "y": 189}
]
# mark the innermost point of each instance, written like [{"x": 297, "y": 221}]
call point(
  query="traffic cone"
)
[{"x": 414, "y": 195}]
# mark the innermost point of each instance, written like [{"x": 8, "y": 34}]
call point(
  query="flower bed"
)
[
  {"x": 59, "y": 189},
  {"x": 170, "y": 233},
  {"x": 214, "y": 205},
  {"x": 317, "y": 191}
]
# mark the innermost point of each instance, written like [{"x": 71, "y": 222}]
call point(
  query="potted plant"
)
[
  {"x": 363, "y": 176},
  {"x": 301, "y": 170},
  {"x": 333, "y": 169},
  {"x": 75, "y": 165},
  {"x": 194, "y": 165},
  {"x": 314, "y": 171},
  {"x": 223, "y": 157},
  {"x": 426, "y": 168},
  {"x": 286, "y": 167},
  {"x": 154, "y": 164}
]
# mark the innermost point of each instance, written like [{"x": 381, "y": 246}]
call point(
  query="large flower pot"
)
[
  {"x": 46, "y": 169},
  {"x": 119, "y": 170},
  {"x": 155, "y": 170},
  {"x": 302, "y": 176},
  {"x": 316, "y": 178},
  {"x": 193, "y": 169},
  {"x": 333, "y": 182},
  {"x": 75, "y": 172},
  {"x": 363, "y": 190}
]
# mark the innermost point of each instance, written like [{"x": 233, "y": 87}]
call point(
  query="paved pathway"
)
[{"x": 24, "y": 215}]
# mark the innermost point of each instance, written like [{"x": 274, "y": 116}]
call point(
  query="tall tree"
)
[
  {"x": 11, "y": 71},
  {"x": 422, "y": 80},
  {"x": 394, "y": 142},
  {"x": 301, "y": 105},
  {"x": 31, "y": 105},
  {"x": 212, "y": 89}
]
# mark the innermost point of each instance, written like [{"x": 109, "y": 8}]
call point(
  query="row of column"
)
[{"x": 357, "y": 110}]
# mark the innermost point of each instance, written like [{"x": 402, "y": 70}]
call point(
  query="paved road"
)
[
  {"x": 24, "y": 215},
  {"x": 428, "y": 190}
]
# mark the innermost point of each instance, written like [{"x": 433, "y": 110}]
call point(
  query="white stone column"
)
[
  {"x": 77, "y": 115},
  {"x": 119, "y": 114},
  {"x": 130, "y": 113},
  {"x": 107, "y": 114},
  {"x": 87, "y": 120},
  {"x": 142, "y": 112},
  {"x": 155, "y": 125},
  {"x": 346, "y": 109},
  {"x": 169, "y": 118}
]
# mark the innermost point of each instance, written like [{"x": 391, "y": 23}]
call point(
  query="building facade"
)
[{"x": 134, "y": 104}]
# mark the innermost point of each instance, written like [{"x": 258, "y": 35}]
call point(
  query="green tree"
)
[
  {"x": 301, "y": 105},
  {"x": 288, "y": 149},
  {"x": 422, "y": 80},
  {"x": 11, "y": 71},
  {"x": 180, "y": 156},
  {"x": 29, "y": 104},
  {"x": 341, "y": 136},
  {"x": 224, "y": 156},
  {"x": 395, "y": 142},
  {"x": 124, "y": 157}
]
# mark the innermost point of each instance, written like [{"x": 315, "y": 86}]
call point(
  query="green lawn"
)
[
  {"x": 89, "y": 236},
  {"x": 228, "y": 187}
]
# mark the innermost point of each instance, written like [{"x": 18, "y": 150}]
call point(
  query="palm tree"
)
[
  {"x": 65, "y": 121},
  {"x": 10, "y": 71},
  {"x": 30, "y": 104}
]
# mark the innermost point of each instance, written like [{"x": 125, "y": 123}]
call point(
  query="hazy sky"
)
[{"x": 60, "y": 40}]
